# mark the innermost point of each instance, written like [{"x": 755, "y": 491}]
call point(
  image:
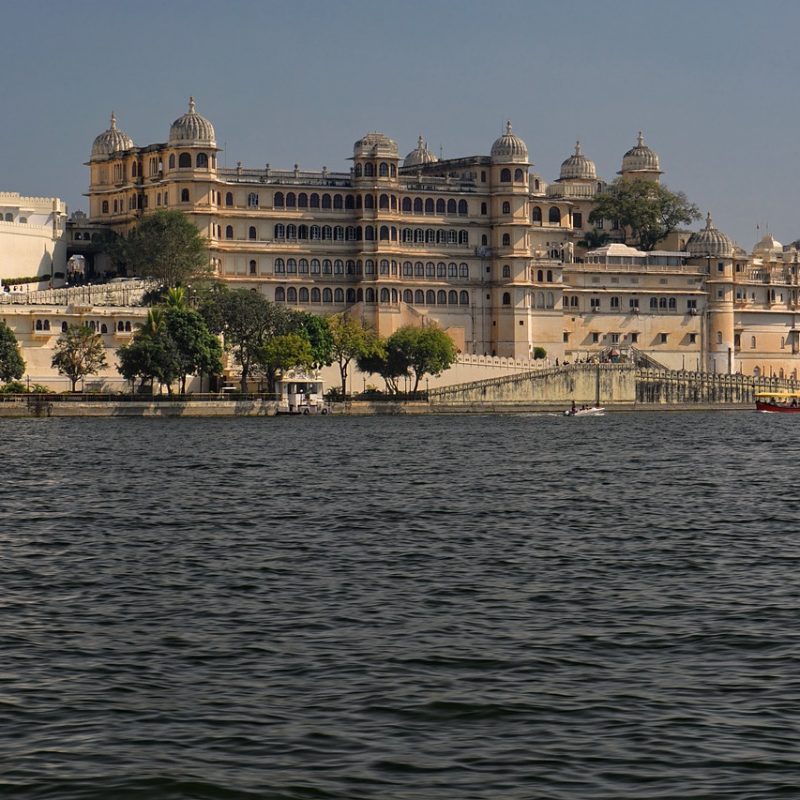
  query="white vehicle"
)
[{"x": 300, "y": 394}]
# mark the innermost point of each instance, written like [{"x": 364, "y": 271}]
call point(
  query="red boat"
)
[{"x": 778, "y": 402}]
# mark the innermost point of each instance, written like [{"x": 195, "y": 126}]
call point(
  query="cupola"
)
[
  {"x": 111, "y": 141},
  {"x": 710, "y": 242},
  {"x": 192, "y": 130},
  {"x": 420, "y": 156},
  {"x": 640, "y": 159},
  {"x": 577, "y": 167},
  {"x": 509, "y": 148}
]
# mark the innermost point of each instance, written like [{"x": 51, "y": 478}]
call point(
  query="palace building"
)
[{"x": 481, "y": 245}]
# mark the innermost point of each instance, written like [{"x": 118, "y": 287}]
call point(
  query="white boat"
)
[{"x": 585, "y": 411}]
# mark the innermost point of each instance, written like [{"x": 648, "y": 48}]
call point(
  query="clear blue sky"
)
[{"x": 712, "y": 83}]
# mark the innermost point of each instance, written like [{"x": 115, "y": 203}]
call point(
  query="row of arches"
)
[
  {"x": 505, "y": 175},
  {"x": 43, "y": 325},
  {"x": 553, "y": 215},
  {"x": 356, "y": 233},
  {"x": 370, "y": 170},
  {"x": 383, "y": 202},
  {"x": 418, "y": 297},
  {"x": 315, "y": 266}
]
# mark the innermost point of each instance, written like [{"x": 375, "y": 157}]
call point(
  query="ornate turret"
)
[
  {"x": 111, "y": 141},
  {"x": 578, "y": 167},
  {"x": 420, "y": 156},
  {"x": 192, "y": 130},
  {"x": 641, "y": 162},
  {"x": 710, "y": 242},
  {"x": 509, "y": 148}
]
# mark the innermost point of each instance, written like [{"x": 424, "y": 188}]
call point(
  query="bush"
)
[
  {"x": 539, "y": 352},
  {"x": 14, "y": 387},
  {"x": 37, "y": 388}
]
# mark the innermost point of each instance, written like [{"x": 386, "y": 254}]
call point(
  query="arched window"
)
[
  {"x": 419, "y": 269},
  {"x": 452, "y": 270},
  {"x": 280, "y": 266},
  {"x": 303, "y": 266},
  {"x": 536, "y": 216},
  {"x": 384, "y": 268},
  {"x": 506, "y": 298},
  {"x": 252, "y": 200},
  {"x": 280, "y": 231},
  {"x": 184, "y": 160},
  {"x": 406, "y": 205},
  {"x": 430, "y": 297},
  {"x": 719, "y": 337},
  {"x": 201, "y": 161},
  {"x": 430, "y": 270},
  {"x": 326, "y": 266},
  {"x": 291, "y": 265},
  {"x": 315, "y": 295},
  {"x": 337, "y": 201},
  {"x": 251, "y": 232},
  {"x": 407, "y": 269},
  {"x": 506, "y": 207},
  {"x": 462, "y": 208},
  {"x": 369, "y": 233},
  {"x": 383, "y": 201},
  {"x": 103, "y": 327},
  {"x": 171, "y": 161},
  {"x": 384, "y": 235},
  {"x": 550, "y": 276},
  {"x": 369, "y": 170},
  {"x": 338, "y": 267},
  {"x": 252, "y": 267},
  {"x": 369, "y": 201},
  {"x": 302, "y": 200},
  {"x": 229, "y": 199},
  {"x": 349, "y": 202},
  {"x": 429, "y": 206},
  {"x": 463, "y": 237},
  {"x": 315, "y": 232},
  {"x": 419, "y": 297},
  {"x": 291, "y": 200},
  {"x": 358, "y": 171},
  {"x": 673, "y": 304},
  {"x": 313, "y": 201},
  {"x": 351, "y": 295},
  {"x": 662, "y": 302},
  {"x": 441, "y": 297},
  {"x": 505, "y": 176},
  {"x": 303, "y": 294},
  {"x": 315, "y": 266},
  {"x": 417, "y": 205},
  {"x": 369, "y": 296},
  {"x": 550, "y": 300},
  {"x": 506, "y": 240},
  {"x": 384, "y": 295},
  {"x": 440, "y": 206},
  {"x": 338, "y": 296},
  {"x": 464, "y": 298},
  {"x": 291, "y": 231},
  {"x": 653, "y": 303},
  {"x": 291, "y": 295},
  {"x": 383, "y": 170},
  {"x": 327, "y": 296},
  {"x": 104, "y": 207},
  {"x": 463, "y": 270},
  {"x": 506, "y": 271},
  {"x": 229, "y": 231},
  {"x": 441, "y": 270},
  {"x": 369, "y": 267},
  {"x": 452, "y": 297},
  {"x": 280, "y": 295},
  {"x": 408, "y": 297},
  {"x": 326, "y": 201},
  {"x": 519, "y": 176},
  {"x": 393, "y": 170},
  {"x": 554, "y": 215},
  {"x": 302, "y": 231}
]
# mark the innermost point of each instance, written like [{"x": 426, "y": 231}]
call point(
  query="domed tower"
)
[
  {"x": 192, "y": 143},
  {"x": 578, "y": 167},
  {"x": 510, "y": 260},
  {"x": 420, "y": 156},
  {"x": 714, "y": 251},
  {"x": 578, "y": 183},
  {"x": 641, "y": 162},
  {"x": 111, "y": 166}
]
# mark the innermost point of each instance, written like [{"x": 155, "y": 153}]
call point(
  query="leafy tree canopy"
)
[
  {"x": 317, "y": 330},
  {"x": 351, "y": 339},
  {"x": 12, "y": 366},
  {"x": 651, "y": 211},
  {"x": 79, "y": 352},
  {"x": 390, "y": 366},
  {"x": 165, "y": 245},
  {"x": 282, "y": 353},
  {"x": 427, "y": 350}
]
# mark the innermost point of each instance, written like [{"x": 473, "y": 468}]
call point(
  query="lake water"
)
[{"x": 449, "y": 607}]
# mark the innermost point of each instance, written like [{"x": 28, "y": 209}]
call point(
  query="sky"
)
[{"x": 711, "y": 83}]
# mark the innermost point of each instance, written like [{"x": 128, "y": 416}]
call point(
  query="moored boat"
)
[{"x": 585, "y": 411}]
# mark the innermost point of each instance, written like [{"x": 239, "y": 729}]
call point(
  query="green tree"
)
[
  {"x": 149, "y": 357},
  {"x": 427, "y": 350},
  {"x": 390, "y": 366},
  {"x": 12, "y": 366},
  {"x": 318, "y": 332},
  {"x": 198, "y": 350},
  {"x": 165, "y": 245},
  {"x": 594, "y": 239},
  {"x": 649, "y": 210},
  {"x": 79, "y": 352},
  {"x": 351, "y": 339},
  {"x": 282, "y": 353},
  {"x": 247, "y": 321}
]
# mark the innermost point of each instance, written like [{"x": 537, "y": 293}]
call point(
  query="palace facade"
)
[{"x": 481, "y": 245}]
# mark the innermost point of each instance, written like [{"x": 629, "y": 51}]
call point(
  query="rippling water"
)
[{"x": 440, "y": 607}]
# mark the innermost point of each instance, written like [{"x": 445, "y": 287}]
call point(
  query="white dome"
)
[
  {"x": 710, "y": 242},
  {"x": 111, "y": 140},
  {"x": 768, "y": 245},
  {"x": 640, "y": 158},
  {"x": 192, "y": 129},
  {"x": 510, "y": 148},
  {"x": 420, "y": 156},
  {"x": 578, "y": 167}
]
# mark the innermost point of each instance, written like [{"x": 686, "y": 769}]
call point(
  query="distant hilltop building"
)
[{"x": 481, "y": 245}]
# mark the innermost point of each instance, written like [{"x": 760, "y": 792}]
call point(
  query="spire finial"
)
[
  {"x": 113, "y": 121},
  {"x": 578, "y": 147},
  {"x": 508, "y": 126},
  {"x": 420, "y": 143},
  {"x": 709, "y": 222},
  {"x": 191, "y": 105},
  {"x": 640, "y": 140}
]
